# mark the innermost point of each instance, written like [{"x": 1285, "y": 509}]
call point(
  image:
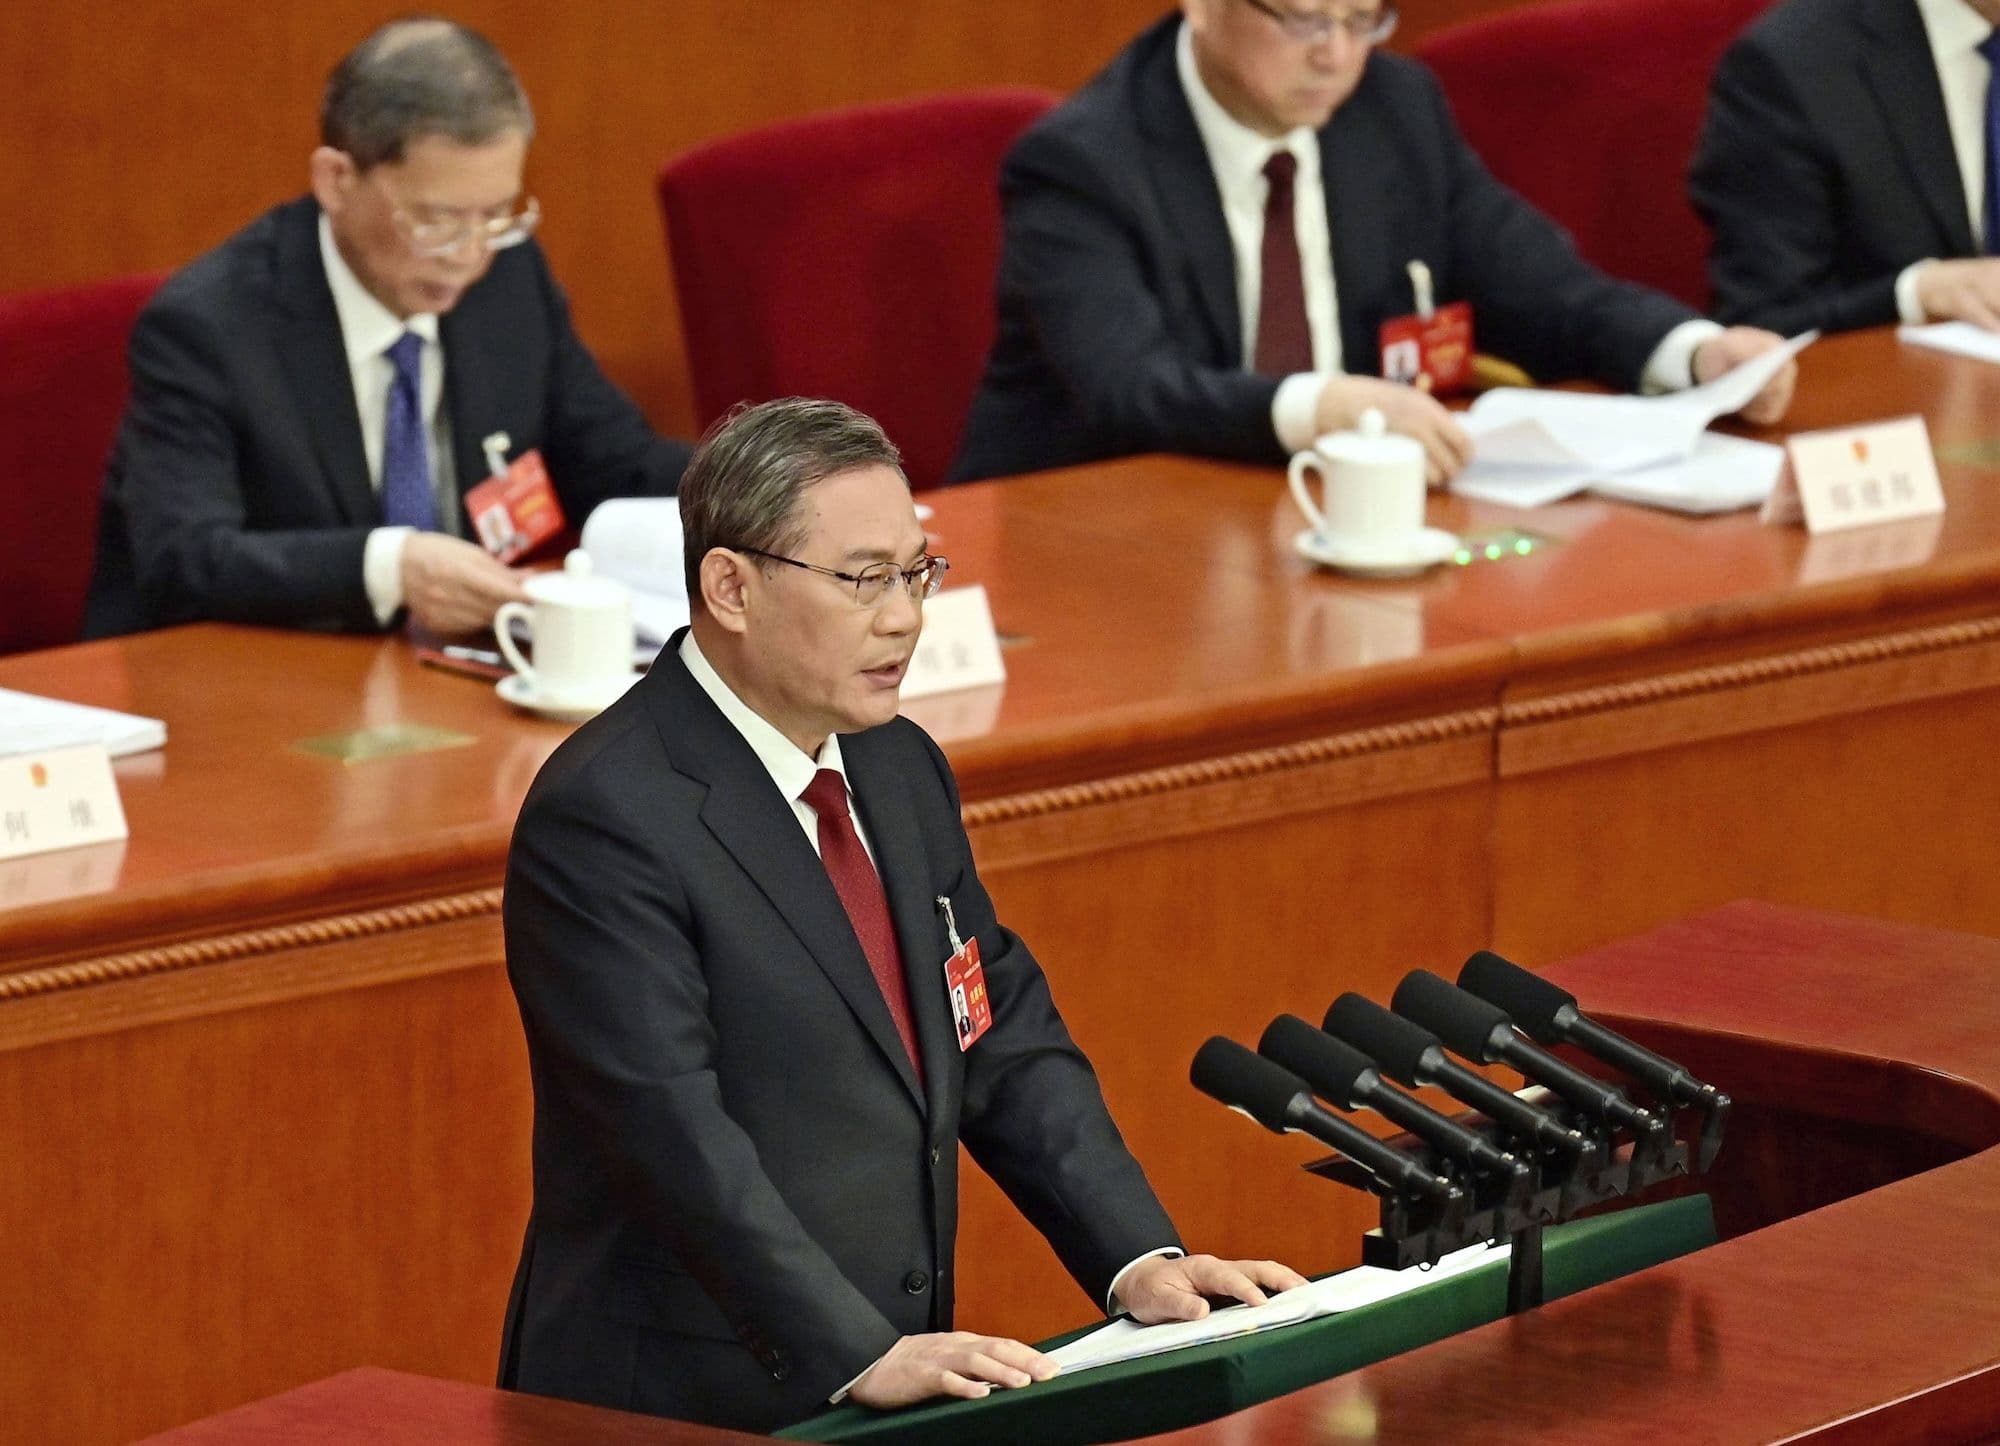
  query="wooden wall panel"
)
[
  {"x": 140, "y": 134},
  {"x": 211, "y": 1209},
  {"x": 1872, "y": 812}
]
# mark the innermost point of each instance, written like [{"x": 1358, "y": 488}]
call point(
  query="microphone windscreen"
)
[
  {"x": 1323, "y": 1062},
  {"x": 1463, "y": 1022},
  {"x": 1392, "y": 1042},
  {"x": 1225, "y": 1070},
  {"x": 1531, "y": 999}
]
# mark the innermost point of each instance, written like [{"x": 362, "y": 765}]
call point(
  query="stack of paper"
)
[
  {"x": 1123, "y": 1340},
  {"x": 33, "y": 724},
  {"x": 1534, "y": 447}
]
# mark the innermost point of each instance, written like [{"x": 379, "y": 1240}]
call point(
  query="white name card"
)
[
  {"x": 959, "y": 647},
  {"x": 1857, "y": 476},
  {"x": 61, "y": 799}
]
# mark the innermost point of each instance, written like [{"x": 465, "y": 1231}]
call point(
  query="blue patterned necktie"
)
[
  {"x": 406, "y": 458},
  {"x": 1990, "y": 242}
]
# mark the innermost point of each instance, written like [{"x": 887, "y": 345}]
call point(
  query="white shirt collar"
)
[
  {"x": 1236, "y": 153},
  {"x": 790, "y": 768},
  {"x": 367, "y": 327},
  {"x": 1955, "y": 28}
]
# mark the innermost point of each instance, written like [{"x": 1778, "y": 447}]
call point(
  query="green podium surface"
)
[{"x": 1187, "y": 1387}]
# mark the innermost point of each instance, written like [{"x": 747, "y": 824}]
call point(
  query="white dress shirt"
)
[
  {"x": 1237, "y": 155},
  {"x": 789, "y": 766},
  {"x": 367, "y": 330},
  {"x": 1955, "y": 31},
  {"x": 791, "y": 770}
]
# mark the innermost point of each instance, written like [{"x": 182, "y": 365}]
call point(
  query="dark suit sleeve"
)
[
  {"x": 1033, "y": 1115},
  {"x": 1074, "y": 263},
  {"x": 599, "y": 444},
  {"x": 182, "y": 492},
  {"x": 1536, "y": 301},
  {"x": 1762, "y": 181},
  {"x": 604, "y": 962}
]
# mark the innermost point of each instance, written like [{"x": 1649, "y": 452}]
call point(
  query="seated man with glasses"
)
[
  {"x": 1146, "y": 305},
  {"x": 310, "y": 400},
  {"x": 740, "y": 905}
]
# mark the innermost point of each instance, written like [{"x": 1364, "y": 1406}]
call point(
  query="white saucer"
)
[
  {"x": 1405, "y": 557},
  {"x": 515, "y": 689}
]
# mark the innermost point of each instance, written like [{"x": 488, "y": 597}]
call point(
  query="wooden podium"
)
[{"x": 1857, "y": 1298}]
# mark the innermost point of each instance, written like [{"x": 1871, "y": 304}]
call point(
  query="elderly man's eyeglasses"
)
[
  {"x": 1310, "y": 27},
  {"x": 922, "y": 578},
  {"x": 434, "y": 231}
]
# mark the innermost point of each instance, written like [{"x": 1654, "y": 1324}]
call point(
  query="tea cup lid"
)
[
  {"x": 577, "y": 585},
  {"x": 1371, "y": 441}
]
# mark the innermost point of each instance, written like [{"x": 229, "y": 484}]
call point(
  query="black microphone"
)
[
  {"x": 1411, "y": 1055},
  {"x": 1479, "y": 1031},
  {"x": 1279, "y": 1101},
  {"x": 1550, "y": 1014},
  {"x": 1342, "y": 1074}
]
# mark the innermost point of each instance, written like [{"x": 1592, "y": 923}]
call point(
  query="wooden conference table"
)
[
  {"x": 262, "y": 1089},
  {"x": 1865, "y": 1063}
]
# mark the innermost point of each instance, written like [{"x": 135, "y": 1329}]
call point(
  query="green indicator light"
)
[
  {"x": 1492, "y": 552},
  {"x": 1523, "y": 546},
  {"x": 1462, "y": 557}
]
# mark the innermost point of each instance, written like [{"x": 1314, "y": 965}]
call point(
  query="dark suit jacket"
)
[
  {"x": 1118, "y": 322},
  {"x": 239, "y": 490},
  {"x": 1826, "y": 166},
  {"x": 742, "y": 1198}
]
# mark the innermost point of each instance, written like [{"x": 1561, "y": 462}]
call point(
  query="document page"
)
[
  {"x": 1124, "y": 1340},
  {"x": 1534, "y": 447},
  {"x": 1961, "y": 338},
  {"x": 30, "y": 723}
]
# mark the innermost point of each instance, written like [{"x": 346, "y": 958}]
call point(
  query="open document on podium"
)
[{"x": 1125, "y": 1340}]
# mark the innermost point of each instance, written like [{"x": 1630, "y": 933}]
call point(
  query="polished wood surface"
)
[
  {"x": 1874, "y": 1319},
  {"x": 1217, "y": 784},
  {"x": 161, "y": 127},
  {"x": 389, "y": 1408}
]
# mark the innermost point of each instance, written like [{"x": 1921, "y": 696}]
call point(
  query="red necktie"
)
[
  {"x": 1284, "y": 340},
  {"x": 860, "y": 889}
]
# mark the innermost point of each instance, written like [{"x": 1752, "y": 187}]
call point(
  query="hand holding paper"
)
[{"x": 1731, "y": 354}]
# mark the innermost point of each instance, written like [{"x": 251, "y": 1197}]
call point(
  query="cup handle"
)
[
  {"x": 1302, "y": 462},
  {"x": 503, "y": 634}
]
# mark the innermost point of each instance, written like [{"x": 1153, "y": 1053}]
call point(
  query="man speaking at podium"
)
[{"x": 741, "y": 917}]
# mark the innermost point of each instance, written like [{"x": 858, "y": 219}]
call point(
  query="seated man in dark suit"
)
[
  {"x": 732, "y": 904},
  {"x": 1845, "y": 169},
  {"x": 1145, "y": 304},
  {"x": 310, "y": 399}
]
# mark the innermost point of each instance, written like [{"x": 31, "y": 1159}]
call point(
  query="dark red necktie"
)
[
  {"x": 1284, "y": 339},
  {"x": 860, "y": 889}
]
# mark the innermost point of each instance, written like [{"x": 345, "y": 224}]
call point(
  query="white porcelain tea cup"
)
[
  {"x": 1373, "y": 483},
  {"x": 581, "y": 628}
]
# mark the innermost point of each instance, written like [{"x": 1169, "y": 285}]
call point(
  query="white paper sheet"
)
[
  {"x": 30, "y": 723},
  {"x": 1123, "y": 1340},
  {"x": 1536, "y": 447},
  {"x": 1961, "y": 338},
  {"x": 1724, "y": 474}
]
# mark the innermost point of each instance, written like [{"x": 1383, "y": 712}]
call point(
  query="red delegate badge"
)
[
  {"x": 515, "y": 510},
  {"x": 965, "y": 984},
  {"x": 1433, "y": 352}
]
